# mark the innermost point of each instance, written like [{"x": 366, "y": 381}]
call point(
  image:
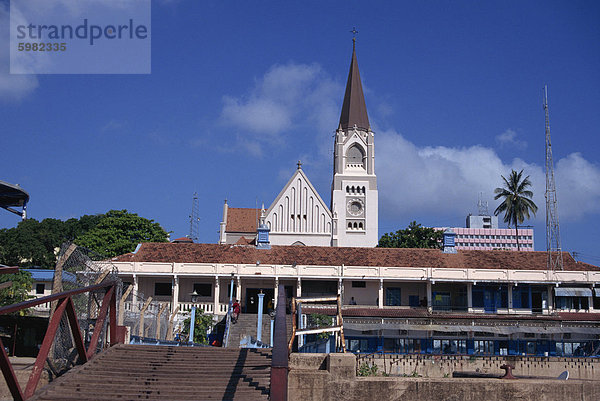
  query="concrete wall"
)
[
  {"x": 436, "y": 366},
  {"x": 333, "y": 377}
]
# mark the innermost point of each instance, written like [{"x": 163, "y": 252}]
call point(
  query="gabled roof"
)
[
  {"x": 354, "y": 109},
  {"x": 336, "y": 256},
  {"x": 242, "y": 220},
  {"x": 299, "y": 173}
]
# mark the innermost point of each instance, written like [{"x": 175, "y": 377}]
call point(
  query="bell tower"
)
[{"x": 354, "y": 198}]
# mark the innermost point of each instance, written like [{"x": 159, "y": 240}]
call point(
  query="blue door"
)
[{"x": 489, "y": 301}]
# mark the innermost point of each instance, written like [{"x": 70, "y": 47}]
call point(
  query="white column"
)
[
  {"x": 216, "y": 300},
  {"x": 591, "y": 301},
  {"x": 175, "y": 302},
  {"x": 134, "y": 299},
  {"x": 276, "y": 292},
  {"x": 238, "y": 291},
  {"x": 550, "y": 299},
  {"x": 429, "y": 296},
  {"x": 380, "y": 299},
  {"x": 510, "y": 298},
  {"x": 470, "y": 297},
  {"x": 299, "y": 288}
]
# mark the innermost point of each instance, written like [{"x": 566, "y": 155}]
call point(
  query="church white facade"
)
[{"x": 299, "y": 216}]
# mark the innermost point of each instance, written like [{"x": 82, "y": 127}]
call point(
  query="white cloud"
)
[
  {"x": 446, "y": 181},
  {"x": 509, "y": 138},
  {"x": 12, "y": 87},
  {"x": 286, "y": 97}
]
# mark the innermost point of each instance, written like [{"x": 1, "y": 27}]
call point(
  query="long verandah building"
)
[{"x": 406, "y": 300}]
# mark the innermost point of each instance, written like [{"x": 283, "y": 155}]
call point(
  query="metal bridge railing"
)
[{"x": 64, "y": 306}]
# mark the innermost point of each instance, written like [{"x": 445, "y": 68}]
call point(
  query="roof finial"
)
[
  {"x": 353, "y": 32},
  {"x": 299, "y": 164}
]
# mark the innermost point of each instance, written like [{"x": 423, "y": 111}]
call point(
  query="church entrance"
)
[{"x": 252, "y": 299}]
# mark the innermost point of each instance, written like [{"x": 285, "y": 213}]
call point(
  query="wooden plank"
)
[
  {"x": 144, "y": 307},
  {"x": 319, "y": 330},
  {"x": 102, "y": 276},
  {"x": 317, "y": 299},
  {"x": 122, "y": 305},
  {"x": 170, "y": 328},
  {"x": 160, "y": 312},
  {"x": 294, "y": 317}
]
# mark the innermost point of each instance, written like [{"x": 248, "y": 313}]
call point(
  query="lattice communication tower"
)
[
  {"x": 194, "y": 219},
  {"x": 553, "y": 247}
]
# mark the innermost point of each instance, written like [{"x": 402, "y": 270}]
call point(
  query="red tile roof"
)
[
  {"x": 334, "y": 256},
  {"x": 242, "y": 220},
  {"x": 245, "y": 241}
]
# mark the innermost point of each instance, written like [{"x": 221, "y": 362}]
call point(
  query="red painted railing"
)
[{"x": 64, "y": 304}]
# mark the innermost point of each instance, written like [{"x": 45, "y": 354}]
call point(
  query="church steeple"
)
[
  {"x": 354, "y": 196},
  {"x": 354, "y": 109}
]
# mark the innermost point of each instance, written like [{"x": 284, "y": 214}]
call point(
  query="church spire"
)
[{"x": 354, "y": 109}]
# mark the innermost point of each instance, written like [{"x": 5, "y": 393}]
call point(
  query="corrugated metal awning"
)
[{"x": 573, "y": 292}]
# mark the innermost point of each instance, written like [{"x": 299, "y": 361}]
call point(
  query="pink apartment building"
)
[{"x": 482, "y": 233}]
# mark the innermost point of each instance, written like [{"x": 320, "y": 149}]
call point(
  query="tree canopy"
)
[
  {"x": 516, "y": 200},
  {"x": 119, "y": 232},
  {"x": 36, "y": 243},
  {"x": 413, "y": 236},
  {"x": 18, "y": 291}
]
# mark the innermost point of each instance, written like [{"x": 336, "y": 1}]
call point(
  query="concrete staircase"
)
[
  {"x": 128, "y": 372},
  {"x": 246, "y": 326}
]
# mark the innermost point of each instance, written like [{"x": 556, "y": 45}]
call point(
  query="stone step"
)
[{"x": 166, "y": 373}]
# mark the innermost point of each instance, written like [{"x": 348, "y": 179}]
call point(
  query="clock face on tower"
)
[{"x": 355, "y": 207}]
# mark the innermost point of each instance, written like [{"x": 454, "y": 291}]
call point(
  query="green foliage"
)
[
  {"x": 516, "y": 200},
  {"x": 321, "y": 320},
  {"x": 19, "y": 291},
  {"x": 119, "y": 232},
  {"x": 201, "y": 326},
  {"x": 36, "y": 243},
  {"x": 414, "y": 236},
  {"x": 367, "y": 369}
]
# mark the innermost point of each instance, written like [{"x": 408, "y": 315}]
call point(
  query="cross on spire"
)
[
  {"x": 299, "y": 164},
  {"x": 353, "y": 32}
]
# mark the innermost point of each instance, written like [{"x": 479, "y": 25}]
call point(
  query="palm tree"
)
[{"x": 516, "y": 203}]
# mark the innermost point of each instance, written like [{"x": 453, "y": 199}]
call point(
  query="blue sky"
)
[{"x": 240, "y": 91}]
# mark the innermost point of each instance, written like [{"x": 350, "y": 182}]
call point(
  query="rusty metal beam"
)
[
  {"x": 40, "y": 361},
  {"x": 33, "y": 302},
  {"x": 112, "y": 318},
  {"x": 77, "y": 338},
  {"x": 8, "y": 270},
  {"x": 9, "y": 375},
  {"x": 100, "y": 322}
]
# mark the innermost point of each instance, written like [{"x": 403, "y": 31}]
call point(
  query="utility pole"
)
[{"x": 555, "y": 261}]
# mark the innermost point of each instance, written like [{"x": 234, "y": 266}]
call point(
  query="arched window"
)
[
  {"x": 349, "y": 225},
  {"x": 355, "y": 156},
  {"x": 347, "y": 189},
  {"x": 355, "y": 226},
  {"x": 363, "y": 190},
  {"x": 360, "y": 225}
]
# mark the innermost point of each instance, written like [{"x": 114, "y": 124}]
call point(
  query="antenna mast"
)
[
  {"x": 555, "y": 261},
  {"x": 194, "y": 219},
  {"x": 482, "y": 206}
]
